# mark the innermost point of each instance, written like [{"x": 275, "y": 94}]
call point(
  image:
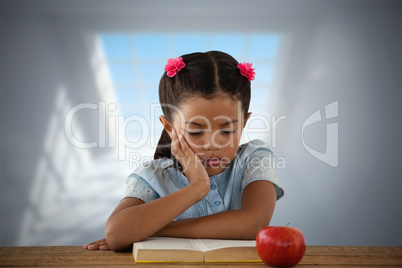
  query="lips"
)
[{"x": 212, "y": 161}]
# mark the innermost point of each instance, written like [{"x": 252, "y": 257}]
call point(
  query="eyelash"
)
[
  {"x": 194, "y": 133},
  {"x": 201, "y": 132}
]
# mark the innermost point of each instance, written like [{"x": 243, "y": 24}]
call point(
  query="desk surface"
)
[{"x": 77, "y": 256}]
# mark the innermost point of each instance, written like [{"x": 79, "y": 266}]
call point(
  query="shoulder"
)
[
  {"x": 150, "y": 170},
  {"x": 255, "y": 153},
  {"x": 159, "y": 173},
  {"x": 253, "y": 147},
  {"x": 256, "y": 161},
  {"x": 144, "y": 183},
  {"x": 152, "y": 166}
]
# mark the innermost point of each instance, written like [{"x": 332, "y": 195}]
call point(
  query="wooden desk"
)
[{"x": 316, "y": 256}]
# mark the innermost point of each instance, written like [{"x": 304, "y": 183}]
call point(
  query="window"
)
[{"x": 136, "y": 63}]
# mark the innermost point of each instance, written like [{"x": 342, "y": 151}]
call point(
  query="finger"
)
[
  {"x": 173, "y": 146},
  {"x": 100, "y": 242},
  {"x": 176, "y": 147},
  {"x": 104, "y": 247},
  {"x": 183, "y": 144},
  {"x": 89, "y": 244},
  {"x": 187, "y": 151},
  {"x": 191, "y": 159},
  {"x": 175, "y": 139},
  {"x": 97, "y": 241},
  {"x": 93, "y": 246}
]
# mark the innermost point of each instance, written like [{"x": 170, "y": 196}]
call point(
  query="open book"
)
[{"x": 167, "y": 249}]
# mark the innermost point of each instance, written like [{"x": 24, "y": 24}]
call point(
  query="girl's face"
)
[{"x": 212, "y": 129}]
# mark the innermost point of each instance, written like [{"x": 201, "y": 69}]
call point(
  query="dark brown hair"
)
[{"x": 207, "y": 75}]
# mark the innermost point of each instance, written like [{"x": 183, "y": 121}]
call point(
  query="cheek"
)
[
  {"x": 231, "y": 144},
  {"x": 195, "y": 143},
  {"x": 235, "y": 143},
  {"x": 230, "y": 152},
  {"x": 231, "y": 141}
]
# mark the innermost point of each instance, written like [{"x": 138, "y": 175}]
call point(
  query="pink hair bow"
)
[
  {"x": 174, "y": 66},
  {"x": 246, "y": 70}
]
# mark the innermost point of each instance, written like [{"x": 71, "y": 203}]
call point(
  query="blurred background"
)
[{"x": 79, "y": 108}]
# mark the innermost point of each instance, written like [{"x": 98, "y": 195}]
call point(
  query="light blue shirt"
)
[{"x": 253, "y": 161}]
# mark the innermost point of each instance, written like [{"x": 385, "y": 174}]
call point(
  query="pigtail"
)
[
  {"x": 163, "y": 150},
  {"x": 163, "y": 147}
]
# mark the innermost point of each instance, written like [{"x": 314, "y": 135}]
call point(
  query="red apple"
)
[{"x": 280, "y": 246}]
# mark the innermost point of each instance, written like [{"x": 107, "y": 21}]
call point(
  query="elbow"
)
[
  {"x": 114, "y": 242},
  {"x": 256, "y": 225},
  {"x": 118, "y": 239},
  {"x": 114, "y": 239}
]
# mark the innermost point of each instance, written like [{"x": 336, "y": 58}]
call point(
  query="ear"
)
[
  {"x": 166, "y": 125},
  {"x": 245, "y": 121}
]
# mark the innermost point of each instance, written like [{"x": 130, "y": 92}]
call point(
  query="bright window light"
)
[{"x": 136, "y": 63}]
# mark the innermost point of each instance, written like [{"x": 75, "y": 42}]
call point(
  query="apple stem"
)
[{"x": 287, "y": 224}]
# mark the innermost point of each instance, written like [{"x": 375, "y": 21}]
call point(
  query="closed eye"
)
[
  {"x": 228, "y": 131},
  {"x": 195, "y": 133},
  {"x": 198, "y": 133}
]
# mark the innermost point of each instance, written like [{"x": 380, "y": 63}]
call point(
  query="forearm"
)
[
  {"x": 258, "y": 205},
  {"x": 139, "y": 222},
  {"x": 233, "y": 224}
]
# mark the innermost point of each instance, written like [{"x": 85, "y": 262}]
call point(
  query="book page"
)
[
  {"x": 211, "y": 244},
  {"x": 167, "y": 243}
]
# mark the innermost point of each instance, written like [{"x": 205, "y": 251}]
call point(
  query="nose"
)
[
  {"x": 211, "y": 142},
  {"x": 210, "y": 146}
]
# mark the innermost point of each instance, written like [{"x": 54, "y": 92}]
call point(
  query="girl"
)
[{"x": 201, "y": 183}]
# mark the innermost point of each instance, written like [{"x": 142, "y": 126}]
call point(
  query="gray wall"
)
[{"x": 53, "y": 193}]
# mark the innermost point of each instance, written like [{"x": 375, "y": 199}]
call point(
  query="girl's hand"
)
[
  {"x": 100, "y": 244},
  {"x": 192, "y": 165}
]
